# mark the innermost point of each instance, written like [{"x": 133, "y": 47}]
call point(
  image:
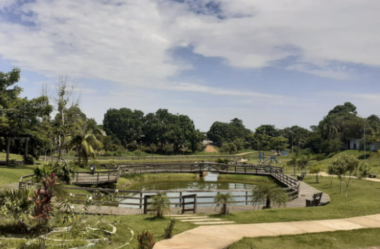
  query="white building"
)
[{"x": 354, "y": 144}]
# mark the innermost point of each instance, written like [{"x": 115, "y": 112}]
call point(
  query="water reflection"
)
[{"x": 209, "y": 182}]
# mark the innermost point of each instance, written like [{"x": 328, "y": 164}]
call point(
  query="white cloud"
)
[{"x": 129, "y": 41}]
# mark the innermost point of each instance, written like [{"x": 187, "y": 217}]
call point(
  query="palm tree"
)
[
  {"x": 223, "y": 200},
  {"x": 269, "y": 192},
  {"x": 160, "y": 204},
  {"x": 85, "y": 141}
]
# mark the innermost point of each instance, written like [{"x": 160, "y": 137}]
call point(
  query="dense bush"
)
[
  {"x": 137, "y": 152},
  {"x": 15, "y": 204},
  {"x": 132, "y": 146},
  {"x": 65, "y": 172},
  {"x": 28, "y": 160},
  {"x": 319, "y": 157},
  {"x": 145, "y": 240},
  {"x": 222, "y": 160}
]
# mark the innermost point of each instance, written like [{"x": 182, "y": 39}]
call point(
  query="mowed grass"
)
[
  {"x": 363, "y": 199},
  {"x": 12, "y": 174},
  {"x": 338, "y": 240}
]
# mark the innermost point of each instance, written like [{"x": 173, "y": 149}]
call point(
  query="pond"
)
[{"x": 209, "y": 182}]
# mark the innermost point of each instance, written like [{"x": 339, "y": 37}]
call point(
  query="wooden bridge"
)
[{"x": 112, "y": 175}]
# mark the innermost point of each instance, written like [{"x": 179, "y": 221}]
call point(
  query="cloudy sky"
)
[{"x": 267, "y": 62}]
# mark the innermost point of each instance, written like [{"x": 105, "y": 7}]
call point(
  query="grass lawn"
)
[
  {"x": 338, "y": 240},
  {"x": 12, "y": 174},
  {"x": 363, "y": 199}
]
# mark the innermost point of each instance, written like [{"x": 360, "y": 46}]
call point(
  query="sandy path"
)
[{"x": 210, "y": 148}]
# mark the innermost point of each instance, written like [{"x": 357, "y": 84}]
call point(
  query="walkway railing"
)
[
  {"x": 160, "y": 158},
  {"x": 138, "y": 197}
]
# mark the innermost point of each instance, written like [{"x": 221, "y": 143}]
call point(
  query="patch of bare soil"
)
[{"x": 210, "y": 148}]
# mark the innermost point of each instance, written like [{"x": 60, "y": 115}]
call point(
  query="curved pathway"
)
[{"x": 218, "y": 237}]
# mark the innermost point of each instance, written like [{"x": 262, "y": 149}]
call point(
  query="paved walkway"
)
[{"x": 218, "y": 237}]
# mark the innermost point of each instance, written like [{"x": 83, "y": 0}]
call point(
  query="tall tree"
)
[{"x": 68, "y": 113}]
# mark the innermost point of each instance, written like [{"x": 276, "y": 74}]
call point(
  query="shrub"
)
[
  {"x": 132, "y": 146},
  {"x": 29, "y": 160},
  {"x": 319, "y": 157},
  {"x": 15, "y": 203},
  {"x": 137, "y": 152},
  {"x": 222, "y": 160},
  {"x": 169, "y": 230},
  {"x": 145, "y": 240},
  {"x": 160, "y": 204}
]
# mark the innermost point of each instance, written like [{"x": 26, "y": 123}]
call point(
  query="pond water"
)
[{"x": 209, "y": 182}]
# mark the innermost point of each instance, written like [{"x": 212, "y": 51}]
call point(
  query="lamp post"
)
[{"x": 364, "y": 119}]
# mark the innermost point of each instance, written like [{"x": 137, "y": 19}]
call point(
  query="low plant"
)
[
  {"x": 222, "y": 160},
  {"x": 160, "y": 204},
  {"x": 269, "y": 192},
  {"x": 223, "y": 200},
  {"x": 16, "y": 204},
  {"x": 145, "y": 240},
  {"x": 28, "y": 160},
  {"x": 168, "y": 232}
]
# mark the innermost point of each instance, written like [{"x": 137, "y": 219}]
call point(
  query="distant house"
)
[{"x": 354, "y": 144}]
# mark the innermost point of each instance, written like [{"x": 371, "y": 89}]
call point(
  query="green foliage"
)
[
  {"x": 223, "y": 200},
  {"x": 227, "y": 132},
  {"x": 65, "y": 172},
  {"x": 348, "y": 168},
  {"x": 319, "y": 157},
  {"x": 28, "y": 160},
  {"x": 85, "y": 141},
  {"x": 138, "y": 152},
  {"x": 222, "y": 160},
  {"x": 228, "y": 148},
  {"x": 269, "y": 192},
  {"x": 15, "y": 204},
  {"x": 159, "y": 204},
  {"x": 316, "y": 169},
  {"x": 168, "y": 231},
  {"x": 132, "y": 146},
  {"x": 145, "y": 240},
  {"x": 168, "y": 148}
]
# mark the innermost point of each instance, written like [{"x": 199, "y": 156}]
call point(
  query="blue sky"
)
[{"x": 265, "y": 62}]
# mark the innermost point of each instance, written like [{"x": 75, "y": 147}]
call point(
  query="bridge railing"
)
[
  {"x": 96, "y": 177},
  {"x": 160, "y": 158},
  {"x": 26, "y": 181},
  {"x": 136, "y": 197}
]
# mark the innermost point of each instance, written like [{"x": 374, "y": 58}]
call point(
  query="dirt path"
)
[
  {"x": 210, "y": 148},
  {"x": 245, "y": 153}
]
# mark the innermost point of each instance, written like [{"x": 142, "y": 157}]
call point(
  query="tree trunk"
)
[
  {"x": 268, "y": 203},
  {"x": 8, "y": 147},
  {"x": 345, "y": 197}
]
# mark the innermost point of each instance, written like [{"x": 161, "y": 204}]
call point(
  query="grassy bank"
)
[
  {"x": 128, "y": 180},
  {"x": 337, "y": 240},
  {"x": 363, "y": 199}
]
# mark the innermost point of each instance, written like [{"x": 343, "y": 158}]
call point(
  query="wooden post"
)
[
  {"x": 26, "y": 147},
  {"x": 108, "y": 175},
  {"x": 180, "y": 168},
  {"x": 8, "y": 148},
  {"x": 246, "y": 197},
  {"x": 97, "y": 181},
  {"x": 145, "y": 203},
  {"x": 245, "y": 169},
  {"x": 180, "y": 198},
  {"x": 77, "y": 176},
  {"x": 195, "y": 203}
]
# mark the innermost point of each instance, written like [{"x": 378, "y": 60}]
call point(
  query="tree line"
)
[
  {"x": 336, "y": 129},
  {"x": 57, "y": 124}
]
